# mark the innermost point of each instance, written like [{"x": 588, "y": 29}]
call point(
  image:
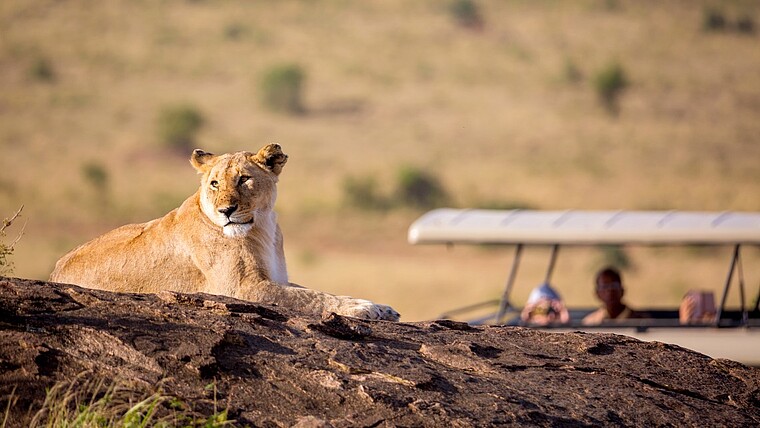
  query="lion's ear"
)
[
  {"x": 271, "y": 158},
  {"x": 201, "y": 160}
]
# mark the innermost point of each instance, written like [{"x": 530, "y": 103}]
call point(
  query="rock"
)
[{"x": 273, "y": 367}]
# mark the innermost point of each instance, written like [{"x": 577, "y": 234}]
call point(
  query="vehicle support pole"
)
[
  {"x": 740, "y": 273},
  {"x": 728, "y": 285},
  {"x": 552, "y": 262},
  {"x": 504, "y": 303}
]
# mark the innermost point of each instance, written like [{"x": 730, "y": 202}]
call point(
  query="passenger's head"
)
[
  {"x": 609, "y": 286},
  {"x": 544, "y": 307},
  {"x": 543, "y": 291}
]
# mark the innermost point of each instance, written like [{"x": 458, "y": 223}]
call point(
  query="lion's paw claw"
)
[{"x": 361, "y": 308}]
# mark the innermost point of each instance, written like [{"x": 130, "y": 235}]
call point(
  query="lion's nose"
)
[{"x": 228, "y": 210}]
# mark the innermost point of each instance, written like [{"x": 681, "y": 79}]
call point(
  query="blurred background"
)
[{"x": 388, "y": 109}]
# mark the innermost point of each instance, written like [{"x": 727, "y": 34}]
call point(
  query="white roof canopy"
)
[{"x": 475, "y": 226}]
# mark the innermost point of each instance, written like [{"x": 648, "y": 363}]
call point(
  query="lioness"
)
[{"x": 224, "y": 239}]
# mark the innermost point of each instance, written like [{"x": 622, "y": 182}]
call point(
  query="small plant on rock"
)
[{"x": 6, "y": 250}]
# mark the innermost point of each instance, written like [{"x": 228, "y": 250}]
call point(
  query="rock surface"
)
[{"x": 274, "y": 367}]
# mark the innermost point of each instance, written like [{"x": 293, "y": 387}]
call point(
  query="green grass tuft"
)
[{"x": 102, "y": 403}]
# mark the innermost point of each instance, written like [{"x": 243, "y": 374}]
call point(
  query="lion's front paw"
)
[{"x": 361, "y": 308}]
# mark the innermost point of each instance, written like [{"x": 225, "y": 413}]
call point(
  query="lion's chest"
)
[
  {"x": 266, "y": 251},
  {"x": 273, "y": 265}
]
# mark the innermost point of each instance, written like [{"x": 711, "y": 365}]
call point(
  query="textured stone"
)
[{"x": 273, "y": 367}]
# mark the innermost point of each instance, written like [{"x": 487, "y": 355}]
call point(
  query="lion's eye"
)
[
  {"x": 214, "y": 184},
  {"x": 243, "y": 179}
]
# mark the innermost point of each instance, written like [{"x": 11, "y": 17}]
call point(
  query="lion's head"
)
[{"x": 238, "y": 187}]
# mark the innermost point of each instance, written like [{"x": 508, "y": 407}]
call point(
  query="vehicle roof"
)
[{"x": 575, "y": 227}]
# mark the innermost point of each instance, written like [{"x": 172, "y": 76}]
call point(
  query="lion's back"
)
[{"x": 110, "y": 261}]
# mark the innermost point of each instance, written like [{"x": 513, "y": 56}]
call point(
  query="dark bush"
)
[
  {"x": 610, "y": 82},
  {"x": 466, "y": 14},
  {"x": 178, "y": 126},
  {"x": 234, "y": 31},
  {"x": 713, "y": 20},
  {"x": 281, "y": 89},
  {"x": 419, "y": 189},
  {"x": 95, "y": 174},
  {"x": 42, "y": 70},
  {"x": 745, "y": 24}
]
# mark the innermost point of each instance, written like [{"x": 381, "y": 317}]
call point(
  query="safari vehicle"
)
[{"x": 732, "y": 333}]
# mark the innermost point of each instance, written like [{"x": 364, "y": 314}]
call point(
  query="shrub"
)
[
  {"x": 281, "y": 89},
  {"x": 361, "y": 192},
  {"x": 42, "y": 70},
  {"x": 419, "y": 189},
  {"x": 178, "y": 126},
  {"x": 745, "y": 24},
  {"x": 713, "y": 20},
  {"x": 95, "y": 174},
  {"x": 466, "y": 14},
  {"x": 610, "y": 82},
  {"x": 614, "y": 255},
  {"x": 234, "y": 31}
]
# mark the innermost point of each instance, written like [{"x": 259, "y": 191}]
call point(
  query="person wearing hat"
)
[{"x": 544, "y": 307}]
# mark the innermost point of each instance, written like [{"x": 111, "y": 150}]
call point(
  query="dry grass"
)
[
  {"x": 87, "y": 402},
  {"x": 389, "y": 84}
]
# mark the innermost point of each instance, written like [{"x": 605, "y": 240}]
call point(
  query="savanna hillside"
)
[{"x": 494, "y": 103}]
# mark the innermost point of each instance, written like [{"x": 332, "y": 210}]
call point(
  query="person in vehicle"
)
[
  {"x": 544, "y": 307},
  {"x": 609, "y": 289},
  {"x": 697, "y": 307}
]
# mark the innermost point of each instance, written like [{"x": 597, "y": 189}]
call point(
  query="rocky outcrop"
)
[{"x": 273, "y": 367}]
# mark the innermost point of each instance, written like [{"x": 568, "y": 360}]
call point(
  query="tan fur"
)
[{"x": 197, "y": 248}]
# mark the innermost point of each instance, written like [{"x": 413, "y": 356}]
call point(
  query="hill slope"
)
[{"x": 505, "y": 114}]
